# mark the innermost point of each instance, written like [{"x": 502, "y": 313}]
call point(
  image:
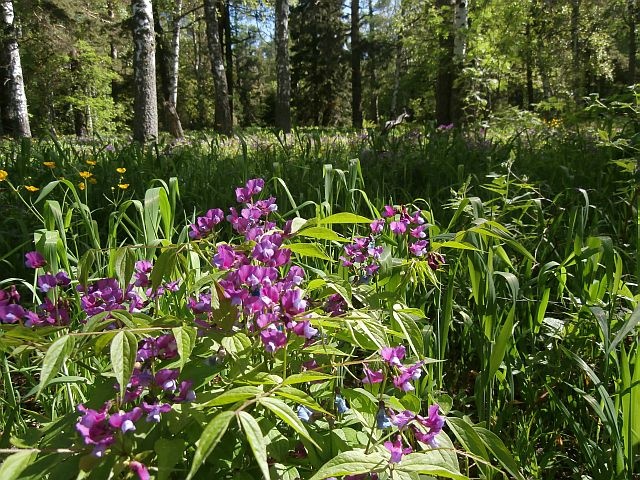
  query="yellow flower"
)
[
  {"x": 3, "y": 175},
  {"x": 49, "y": 164},
  {"x": 91, "y": 162},
  {"x": 85, "y": 174},
  {"x": 93, "y": 180},
  {"x": 81, "y": 185},
  {"x": 121, "y": 170},
  {"x": 123, "y": 186},
  {"x": 31, "y": 188}
]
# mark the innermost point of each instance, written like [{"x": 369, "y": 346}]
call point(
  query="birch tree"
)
[
  {"x": 145, "y": 124},
  {"x": 14, "y": 111}
]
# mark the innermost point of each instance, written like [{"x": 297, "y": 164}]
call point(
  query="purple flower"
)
[
  {"x": 225, "y": 258},
  {"x": 402, "y": 419},
  {"x": 388, "y": 211},
  {"x": 11, "y": 313},
  {"x": 419, "y": 248},
  {"x": 185, "y": 392},
  {"x": 34, "y": 260},
  {"x": 62, "y": 279},
  {"x": 399, "y": 227},
  {"x": 139, "y": 469},
  {"x": 273, "y": 339},
  {"x": 393, "y": 355},
  {"x": 418, "y": 232},
  {"x": 407, "y": 374},
  {"x": 46, "y": 282},
  {"x": 433, "y": 423},
  {"x": 94, "y": 428},
  {"x": 304, "y": 329},
  {"x": 11, "y": 296},
  {"x": 341, "y": 405},
  {"x": 396, "y": 450},
  {"x": 166, "y": 379},
  {"x": 371, "y": 376},
  {"x": 435, "y": 260},
  {"x": 377, "y": 226},
  {"x": 154, "y": 410},
  {"x": 336, "y": 305},
  {"x": 125, "y": 421}
]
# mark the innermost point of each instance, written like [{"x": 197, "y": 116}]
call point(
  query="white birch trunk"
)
[
  {"x": 145, "y": 127},
  {"x": 16, "y": 110},
  {"x": 460, "y": 26},
  {"x": 174, "y": 66}
]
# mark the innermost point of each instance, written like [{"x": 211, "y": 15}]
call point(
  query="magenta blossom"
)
[
  {"x": 273, "y": 339},
  {"x": 140, "y": 470},
  {"x": 396, "y": 450},
  {"x": 34, "y": 260},
  {"x": 393, "y": 355},
  {"x": 371, "y": 376}
]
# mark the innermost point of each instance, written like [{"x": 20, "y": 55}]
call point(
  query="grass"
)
[{"x": 536, "y": 315}]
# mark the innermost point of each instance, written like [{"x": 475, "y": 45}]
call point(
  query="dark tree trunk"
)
[
  {"x": 79, "y": 117},
  {"x": 575, "y": 49},
  {"x": 283, "y": 73},
  {"x": 445, "y": 75},
  {"x": 145, "y": 107},
  {"x": 356, "y": 74},
  {"x": 15, "y": 116},
  {"x": 165, "y": 57},
  {"x": 223, "y": 119},
  {"x": 632, "y": 12},
  {"x": 228, "y": 50},
  {"x": 372, "y": 54}
]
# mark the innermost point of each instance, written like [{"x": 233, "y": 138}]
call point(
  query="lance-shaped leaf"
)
[
  {"x": 15, "y": 464},
  {"x": 185, "y": 340},
  {"x": 124, "y": 348},
  {"x": 352, "y": 463},
  {"x": 56, "y": 354},
  {"x": 286, "y": 413},
  {"x": 256, "y": 439},
  {"x": 210, "y": 437}
]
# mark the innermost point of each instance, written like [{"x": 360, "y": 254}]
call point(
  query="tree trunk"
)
[
  {"x": 166, "y": 59},
  {"x": 228, "y": 50},
  {"x": 529, "y": 65},
  {"x": 203, "y": 111},
  {"x": 575, "y": 49},
  {"x": 373, "y": 106},
  {"x": 356, "y": 74},
  {"x": 445, "y": 77},
  {"x": 175, "y": 55},
  {"x": 223, "y": 119},
  {"x": 14, "y": 111},
  {"x": 145, "y": 106},
  {"x": 283, "y": 73},
  {"x": 632, "y": 12},
  {"x": 460, "y": 27}
]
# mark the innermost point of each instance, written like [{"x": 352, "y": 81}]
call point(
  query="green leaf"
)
[
  {"x": 352, "y": 463},
  {"x": 169, "y": 453},
  {"x": 124, "y": 348},
  {"x": 500, "y": 345},
  {"x": 308, "y": 250},
  {"x": 286, "y": 413},
  {"x": 234, "y": 395},
  {"x": 344, "y": 217},
  {"x": 498, "y": 449},
  {"x": 15, "y": 464},
  {"x": 453, "y": 244},
  {"x": 185, "y": 340},
  {"x": 163, "y": 267},
  {"x": 298, "y": 396},
  {"x": 255, "y": 437},
  {"x": 53, "y": 359},
  {"x": 321, "y": 233},
  {"x": 210, "y": 437},
  {"x": 629, "y": 325},
  {"x": 303, "y": 377},
  {"x": 430, "y": 462}
]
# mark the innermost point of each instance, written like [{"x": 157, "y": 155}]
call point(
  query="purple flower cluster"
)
[
  {"x": 404, "y": 374},
  {"x": 364, "y": 255},
  {"x": 205, "y": 225},
  {"x": 147, "y": 394},
  {"x": 105, "y": 295},
  {"x": 425, "y": 429},
  {"x": 270, "y": 301},
  {"x": 50, "y": 312}
]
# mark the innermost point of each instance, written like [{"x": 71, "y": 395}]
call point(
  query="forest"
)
[
  {"x": 307, "y": 240},
  {"x": 92, "y": 68}
]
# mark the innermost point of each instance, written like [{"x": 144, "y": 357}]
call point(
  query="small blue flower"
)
[
  {"x": 304, "y": 413},
  {"x": 382, "y": 420},
  {"x": 341, "y": 405}
]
